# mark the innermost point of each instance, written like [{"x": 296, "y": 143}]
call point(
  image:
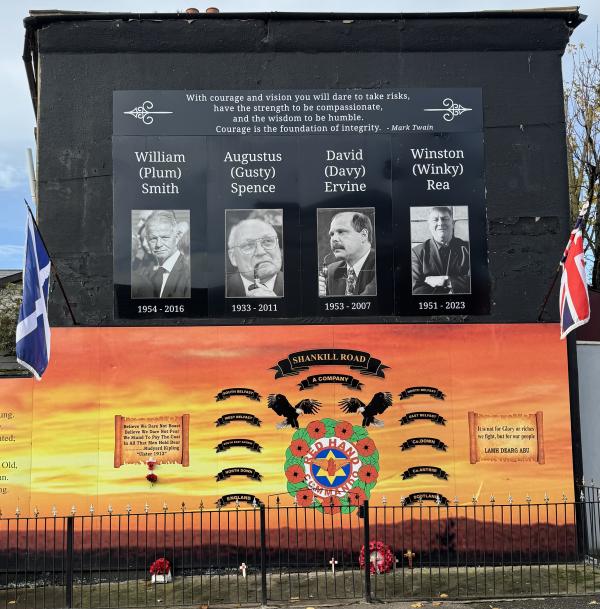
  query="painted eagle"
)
[
  {"x": 379, "y": 403},
  {"x": 281, "y": 405}
]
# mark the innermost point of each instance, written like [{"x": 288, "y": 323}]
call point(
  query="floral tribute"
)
[
  {"x": 331, "y": 466},
  {"x": 161, "y": 566},
  {"x": 151, "y": 476},
  {"x": 381, "y": 557}
]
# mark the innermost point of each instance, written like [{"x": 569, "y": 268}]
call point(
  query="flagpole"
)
[
  {"x": 52, "y": 265},
  {"x": 583, "y": 213}
]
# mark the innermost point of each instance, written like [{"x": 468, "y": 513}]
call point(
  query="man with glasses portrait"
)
[{"x": 254, "y": 252}]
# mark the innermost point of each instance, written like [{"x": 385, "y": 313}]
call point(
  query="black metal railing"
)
[{"x": 287, "y": 553}]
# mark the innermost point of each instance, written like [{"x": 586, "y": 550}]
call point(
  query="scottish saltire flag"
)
[
  {"x": 33, "y": 329},
  {"x": 574, "y": 300}
]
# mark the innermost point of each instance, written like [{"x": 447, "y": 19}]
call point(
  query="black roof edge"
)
[{"x": 37, "y": 19}]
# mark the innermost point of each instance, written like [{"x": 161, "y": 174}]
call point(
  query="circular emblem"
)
[{"x": 331, "y": 466}]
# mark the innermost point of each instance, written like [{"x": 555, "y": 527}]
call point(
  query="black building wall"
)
[{"x": 514, "y": 57}]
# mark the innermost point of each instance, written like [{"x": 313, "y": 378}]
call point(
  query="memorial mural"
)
[{"x": 320, "y": 417}]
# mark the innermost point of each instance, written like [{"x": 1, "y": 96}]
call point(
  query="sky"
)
[{"x": 17, "y": 120}]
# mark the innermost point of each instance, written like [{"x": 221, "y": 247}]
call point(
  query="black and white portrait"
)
[
  {"x": 160, "y": 253},
  {"x": 254, "y": 257},
  {"x": 440, "y": 250},
  {"x": 346, "y": 251}
]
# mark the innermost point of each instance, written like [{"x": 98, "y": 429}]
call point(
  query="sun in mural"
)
[{"x": 331, "y": 466}]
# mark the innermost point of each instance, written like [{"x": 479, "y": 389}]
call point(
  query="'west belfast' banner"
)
[
  {"x": 240, "y": 417},
  {"x": 355, "y": 360}
]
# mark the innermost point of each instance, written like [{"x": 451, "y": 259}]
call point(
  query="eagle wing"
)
[
  {"x": 379, "y": 403},
  {"x": 351, "y": 404},
  {"x": 280, "y": 404},
  {"x": 308, "y": 406}
]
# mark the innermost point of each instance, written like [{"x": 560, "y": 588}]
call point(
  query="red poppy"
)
[
  {"x": 294, "y": 474},
  {"x": 315, "y": 429},
  {"x": 305, "y": 497},
  {"x": 151, "y": 477},
  {"x": 344, "y": 430},
  {"x": 299, "y": 448},
  {"x": 367, "y": 473},
  {"x": 331, "y": 505},
  {"x": 356, "y": 496},
  {"x": 365, "y": 447}
]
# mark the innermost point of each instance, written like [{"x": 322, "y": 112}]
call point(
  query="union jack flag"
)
[{"x": 574, "y": 300}]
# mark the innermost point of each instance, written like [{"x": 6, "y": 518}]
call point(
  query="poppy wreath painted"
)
[{"x": 331, "y": 466}]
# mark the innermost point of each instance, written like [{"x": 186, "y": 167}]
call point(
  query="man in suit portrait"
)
[
  {"x": 255, "y": 255},
  {"x": 353, "y": 272},
  {"x": 441, "y": 264},
  {"x": 169, "y": 276}
]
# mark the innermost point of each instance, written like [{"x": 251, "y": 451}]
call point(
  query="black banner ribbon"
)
[
  {"x": 355, "y": 360},
  {"x": 415, "y": 498},
  {"x": 422, "y": 470},
  {"x": 342, "y": 379},
  {"x": 228, "y": 472},
  {"x": 238, "y": 497},
  {"x": 434, "y": 392},
  {"x": 244, "y": 417},
  {"x": 243, "y": 391},
  {"x": 434, "y": 417},
  {"x": 234, "y": 442},
  {"x": 433, "y": 442}
]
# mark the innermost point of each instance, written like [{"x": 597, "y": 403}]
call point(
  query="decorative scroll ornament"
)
[
  {"x": 237, "y": 391},
  {"x": 144, "y": 112},
  {"x": 450, "y": 109}
]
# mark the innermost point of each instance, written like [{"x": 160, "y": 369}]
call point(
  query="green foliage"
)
[{"x": 10, "y": 299}]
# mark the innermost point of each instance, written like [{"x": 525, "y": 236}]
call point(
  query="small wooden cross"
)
[
  {"x": 409, "y": 555},
  {"x": 243, "y": 568},
  {"x": 333, "y": 562},
  {"x": 373, "y": 559}
]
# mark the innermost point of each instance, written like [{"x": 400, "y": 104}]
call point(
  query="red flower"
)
[
  {"x": 299, "y": 448},
  {"x": 331, "y": 505},
  {"x": 365, "y": 447},
  {"x": 368, "y": 474},
  {"x": 315, "y": 429},
  {"x": 294, "y": 473},
  {"x": 344, "y": 430},
  {"x": 305, "y": 497},
  {"x": 160, "y": 566},
  {"x": 381, "y": 557},
  {"x": 151, "y": 477},
  {"x": 356, "y": 496}
]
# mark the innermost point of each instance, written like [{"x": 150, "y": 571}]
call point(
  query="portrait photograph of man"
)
[
  {"x": 160, "y": 253},
  {"x": 440, "y": 250},
  {"x": 254, "y": 257},
  {"x": 347, "y": 252}
]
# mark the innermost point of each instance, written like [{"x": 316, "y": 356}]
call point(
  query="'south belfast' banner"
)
[{"x": 123, "y": 396}]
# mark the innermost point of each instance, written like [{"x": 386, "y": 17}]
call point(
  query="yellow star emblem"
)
[{"x": 330, "y": 466}]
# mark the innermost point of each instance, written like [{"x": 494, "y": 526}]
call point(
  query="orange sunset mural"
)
[{"x": 59, "y": 435}]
